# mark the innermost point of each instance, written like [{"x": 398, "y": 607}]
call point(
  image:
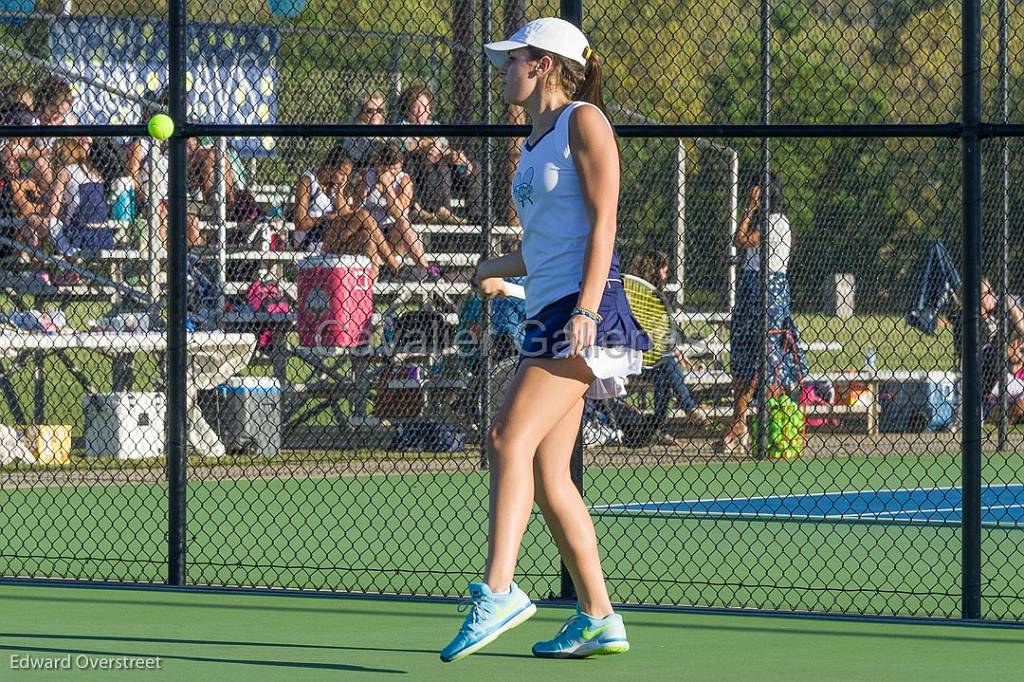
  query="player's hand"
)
[
  {"x": 581, "y": 333},
  {"x": 491, "y": 287},
  {"x": 754, "y": 202}
]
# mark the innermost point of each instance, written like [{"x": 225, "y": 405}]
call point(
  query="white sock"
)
[{"x": 595, "y": 617}]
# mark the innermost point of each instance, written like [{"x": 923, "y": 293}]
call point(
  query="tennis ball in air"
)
[{"x": 160, "y": 127}]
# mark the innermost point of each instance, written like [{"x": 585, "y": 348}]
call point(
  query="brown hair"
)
[
  {"x": 366, "y": 98},
  {"x": 53, "y": 90},
  {"x": 581, "y": 83},
  {"x": 411, "y": 94},
  {"x": 336, "y": 157},
  {"x": 69, "y": 150},
  {"x": 14, "y": 93},
  {"x": 648, "y": 264},
  {"x": 386, "y": 154}
]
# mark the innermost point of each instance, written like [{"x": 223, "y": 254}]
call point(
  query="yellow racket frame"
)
[{"x": 652, "y": 311}]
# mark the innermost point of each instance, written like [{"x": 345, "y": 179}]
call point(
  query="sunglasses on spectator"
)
[{"x": 372, "y": 110}]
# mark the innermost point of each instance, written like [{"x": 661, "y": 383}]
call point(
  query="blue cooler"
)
[
  {"x": 245, "y": 412},
  {"x": 916, "y": 405}
]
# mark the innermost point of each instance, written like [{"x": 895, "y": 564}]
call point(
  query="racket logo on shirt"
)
[{"x": 522, "y": 187}]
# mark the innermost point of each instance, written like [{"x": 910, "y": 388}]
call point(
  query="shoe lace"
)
[
  {"x": 570, "y": 624},
  {"x": 478, "y": 605}
]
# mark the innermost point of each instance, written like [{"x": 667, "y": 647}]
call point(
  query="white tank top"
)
[
  {"x": 780, "y": 244},
  {"x": 320, "y": 203},
  {"x": 162, "y": 167},
  {"x": 549, "y": 202},
  {"x": 375, "y": 202}
]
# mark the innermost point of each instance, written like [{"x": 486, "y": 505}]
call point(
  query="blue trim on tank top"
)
[{"x": 531, "y": 147}]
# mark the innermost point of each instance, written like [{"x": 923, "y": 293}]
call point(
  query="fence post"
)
[
  {"x": 1004, "y": 252},
  {"x": 177, "y": 361},
  {"x": 765, "y": 249},
  {"x": 572, "y": 11},
  {"x": 971, "y": 445},
  {"x": 487, "y": 179}
]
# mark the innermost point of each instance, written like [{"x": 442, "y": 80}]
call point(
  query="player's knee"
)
[
  {"x": 501, "y": 441},
  {"x": 496, "y": 437},
  {"x": 554, "y": 482}
]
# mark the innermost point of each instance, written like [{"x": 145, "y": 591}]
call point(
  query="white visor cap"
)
[{"x": 552, "y": 35}]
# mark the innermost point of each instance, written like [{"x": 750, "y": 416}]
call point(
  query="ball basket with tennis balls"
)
[{"x": 160, "y": 127}]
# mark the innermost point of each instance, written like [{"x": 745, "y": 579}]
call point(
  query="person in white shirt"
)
[
  {"x": 386, "y": 192},
  {"x": 581, "y": 338},
  {"x": 785, "y": 363}
]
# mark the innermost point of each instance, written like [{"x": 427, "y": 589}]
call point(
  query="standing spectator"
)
[
  {"x": 989, "y": 349},
  {"x": 1015, "y": 382},
  {"x": 386, "y": 191},
  {"x": 434, "y": 164},
  {"x": 144, "y": 152},
  {"x": 785, "y": 364},
  {"x": 668, "y": 375}
]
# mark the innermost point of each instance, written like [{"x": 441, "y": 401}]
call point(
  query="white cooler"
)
[{"x": 124, "y": 425}]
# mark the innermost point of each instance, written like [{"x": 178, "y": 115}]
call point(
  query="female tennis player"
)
[{"x": 581, "y": 337}]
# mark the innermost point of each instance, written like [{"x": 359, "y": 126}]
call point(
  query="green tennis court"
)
[
  {"x": 424, "y": 534},
  {"x": 269, "y": 637}
]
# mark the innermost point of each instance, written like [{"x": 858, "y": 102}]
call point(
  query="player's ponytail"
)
[{"x": 589, "y": 90}]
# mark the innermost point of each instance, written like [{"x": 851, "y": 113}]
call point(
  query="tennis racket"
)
[{"x": 652, "y": 311}]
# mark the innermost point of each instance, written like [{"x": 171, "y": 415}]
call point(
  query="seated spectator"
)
[
  {"x": 386, "y": 191},
  {"x": 317, "y": 198},
  {"x": 53, "y": 101},
  {"x": 434, "y": 164},
  {"x": 371, "y": 109},
  {"x": 144, "y": 152},
  {"x": 20, "y": 197},
  {"x": 17, "y": 94},
  {"x": 668, "y": 375},
  {"x": 326, "y": 214},
  {"x": 77, "y": 206},
  {"x": 989, "y": 350},
  {"x": 241, "y": 206}
]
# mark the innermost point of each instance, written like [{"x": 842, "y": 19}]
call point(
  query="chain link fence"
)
[{"x": 795, "y": 441}]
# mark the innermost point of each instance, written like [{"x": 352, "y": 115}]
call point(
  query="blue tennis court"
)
[{"x": 1002, "y": 505}]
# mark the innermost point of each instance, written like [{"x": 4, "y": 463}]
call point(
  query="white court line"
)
[
  {"x": 1002, "y": 486},
  {"x": 862, "y": 515},
  {"x": 950, "y": 509}
]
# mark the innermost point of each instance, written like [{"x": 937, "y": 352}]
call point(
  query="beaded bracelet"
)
[{"x": 580, "y": 310}]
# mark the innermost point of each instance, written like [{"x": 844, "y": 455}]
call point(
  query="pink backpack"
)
[
  {"x": 818, "y": 393},
  {"x": 266, "y": 297}
]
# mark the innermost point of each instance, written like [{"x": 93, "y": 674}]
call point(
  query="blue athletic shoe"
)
[
  {"x": 490, "y": 615},
  {"x": 584, "y": 636}
]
